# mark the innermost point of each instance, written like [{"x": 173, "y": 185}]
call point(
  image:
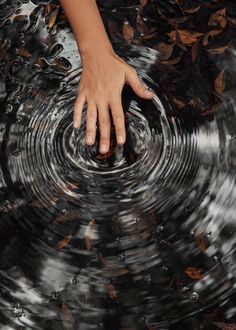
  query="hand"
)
[{"x": 101, "y": 84}]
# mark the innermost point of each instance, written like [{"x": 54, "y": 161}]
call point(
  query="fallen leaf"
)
[
  {"x": 172, "y": 61},
  {"x": 201, "y": 239},
  {"x": 53, "y": 18},
  {"x": 186, "y": 37},
  {"x": 225, "y": 326},
  {"x": 24, "y": 52},
  {"x": 166, "y": 50},
  {"x": 180, "y": 104},
  {"x": 219, "y": 83},
  {"x": 194, "y": 273},
  {"x": 64, "y": 242},
  {"x": 218, "y": 18},
  {"x": 192, "y": 10},
  {"x": 218, "y": 50},
  {"x": 128, "y": 31}
]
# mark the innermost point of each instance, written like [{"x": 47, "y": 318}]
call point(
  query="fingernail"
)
[
  {"x": 120, "y": 139},
  {"x": 148, "y": 92},
  {"x": 89, "y": 139},
  {"x": 103, "y": 148}
]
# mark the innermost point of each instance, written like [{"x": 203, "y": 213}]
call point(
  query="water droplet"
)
[
  {"x": 122, "y": 258},
  {"x": 159, "y": 229},
  {"x": 55, "y": 295},
  {"x": 193, "y": 296}
]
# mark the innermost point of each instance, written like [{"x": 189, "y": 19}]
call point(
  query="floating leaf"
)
[
  {"x": 219, "y": 83},
  {"x": 201, "y": 239}
]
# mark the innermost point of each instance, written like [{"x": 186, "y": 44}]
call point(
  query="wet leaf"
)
[
  {"x": 211, "y": 34},
  {"x": 201, "y": 239},
  {"x": 67, "y": 317},
  {"x": 194, "y": 273},
  {"x": 186, "y": 37},
  {"x": 53, "y": 18},
  {"x": 218, "y": 19},
  {"x": 128, "y": 32},
  {"x": 192, "y": 10},
  {"x": 218, "y": 50},
  {"x": 180, "y": 104},
  {"x": 225, "y": 326},
  {"x": 219, "y": 83},
  {"x": 64, "y": 242},
  {"x": 24, "y": 52},
  {"x": 166, "y": 50}
]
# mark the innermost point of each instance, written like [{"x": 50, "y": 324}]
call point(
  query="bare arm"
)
[
  {"x": 87, "y": 25},
  {"x": 103, "y": 77}
]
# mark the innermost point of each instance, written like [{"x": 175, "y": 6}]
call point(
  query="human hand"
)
[{"x": 101, "y": 84}]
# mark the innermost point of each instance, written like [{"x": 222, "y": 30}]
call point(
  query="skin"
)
[{"x": 99, "y": 87}]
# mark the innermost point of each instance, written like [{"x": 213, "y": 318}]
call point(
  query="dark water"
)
[{"x": 143, "y": 238}]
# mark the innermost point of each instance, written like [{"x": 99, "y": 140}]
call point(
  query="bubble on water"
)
[{"x": 193, "y": 296}]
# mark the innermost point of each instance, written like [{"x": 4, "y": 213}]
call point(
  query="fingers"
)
[
  {"x": 138, "y": 86},
  {"x": 78, "y": 108},
  {"x": 105, "y": 128},
  {"x": 118, "y": 119},
  {"x": 91, "y": 119}
]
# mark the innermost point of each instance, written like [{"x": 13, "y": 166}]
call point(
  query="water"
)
[{"x": 142, "y": 238}]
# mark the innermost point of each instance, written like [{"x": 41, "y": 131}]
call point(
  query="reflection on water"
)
[{"x": 142, "y": 238}]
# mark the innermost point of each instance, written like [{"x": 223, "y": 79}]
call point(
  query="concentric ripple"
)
[{"x": 137, "y": 221}]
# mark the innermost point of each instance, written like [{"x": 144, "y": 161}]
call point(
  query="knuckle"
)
[
  {"x": 118, "y": 116},
  {"x": 90, "y": 131},
  {"x": 104, "y": 123}
]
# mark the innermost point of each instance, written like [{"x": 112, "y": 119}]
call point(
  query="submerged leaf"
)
[{"x": 219, "y": 83}]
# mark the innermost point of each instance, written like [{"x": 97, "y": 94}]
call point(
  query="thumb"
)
[{"x": 138, "y": 86}]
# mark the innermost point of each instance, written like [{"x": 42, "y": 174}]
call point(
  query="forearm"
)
[{"x": 88, "y": 27}]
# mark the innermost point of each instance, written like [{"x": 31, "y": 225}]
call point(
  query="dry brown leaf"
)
[
  {"x": 192, "y": 10},
  {"x": 128, "y": 32},
  {"x": 210, "y": 34},
  {"x": 194, "y": 273},
  {"x": 201, "y": 239},
  {"x": 186, "y": 37},
  {"x": 67, "y": 317},
  {"x": 217, "y": 51},
  {"x": 166, "y": 50},
  {"x": 225, "y": 326},
  {"x": 218, "y": 18},
  {"x": 215, "y": 108},
  {"x": 64, "y": 242},
  {"x": 24, "y": 52},
  {"x": 53, "y": 18},
  {"x": 219, "y": 83},
  {"x": 180, "y": 104}
]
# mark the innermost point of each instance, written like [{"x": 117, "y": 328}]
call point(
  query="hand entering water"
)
[{"x": 100, "y": 87}]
